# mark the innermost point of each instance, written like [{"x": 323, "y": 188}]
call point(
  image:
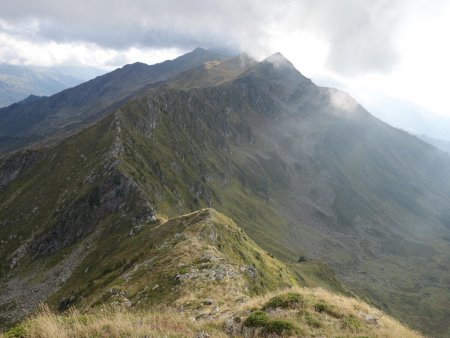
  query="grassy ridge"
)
[{"x": 288, "y": 313}]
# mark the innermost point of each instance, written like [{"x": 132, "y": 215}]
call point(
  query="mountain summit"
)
[{"x": 278, "y": 60}]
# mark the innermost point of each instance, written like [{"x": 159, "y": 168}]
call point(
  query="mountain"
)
[
  {"x": 305, "y": 171},
  {"x": 440, "y": 144},
  {"x": 18, "y": 82},
  {"x": 397, "y": 112},
  {"x": 26, "y": 122},
  {"x": 211, "y": 73},
  {"x": 411, "y": 117}
]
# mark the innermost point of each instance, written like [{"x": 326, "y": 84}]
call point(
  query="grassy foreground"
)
[{"x": 295, "y": 312}]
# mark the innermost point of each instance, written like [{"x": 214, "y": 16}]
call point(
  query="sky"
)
[{"x": 372, "y": 48}]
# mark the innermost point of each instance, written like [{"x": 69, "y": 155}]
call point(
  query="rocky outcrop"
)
[
  {"x": 82, "y": 216},
  {"x": 17, "y": 164}
]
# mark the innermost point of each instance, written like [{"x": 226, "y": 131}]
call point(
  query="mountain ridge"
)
[
  {"x": 305, "y": 171},
  {"x": 76, "y": 107},
  {"x": 212, "y": 277},
  {"x": 18, "y": 82}
]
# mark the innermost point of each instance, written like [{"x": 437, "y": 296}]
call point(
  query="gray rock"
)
[
  {"x": 251, "y": 270},
  {"x": 369, "y": 319},
  {"x": 234, "y": 326}
]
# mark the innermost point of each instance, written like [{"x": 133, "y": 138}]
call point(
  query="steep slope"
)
[
  {"x": 305, "y": 170},
  {"x": 308, "y": 170},
  {"x": 75, "y": 224},
  {"x": 202, "y": 257},
  {"x": 440, "y": 144},
  {"x": 55, "y": 205},
  {"x": 19, "y": 82},
  {"x": 71, "y": 109}
]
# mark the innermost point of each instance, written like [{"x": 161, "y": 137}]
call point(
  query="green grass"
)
[
  {"x": 352, "y": 323},
  {"x": 285, "y": 301},
  {"x": 260, "y": 319},
  {"x": 257, "y": 319}
]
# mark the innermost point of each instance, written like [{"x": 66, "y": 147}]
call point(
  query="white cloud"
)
[
  {"x": 343, "y": 101},
  {"x": 423, "y": 69},
  {"x": 47, "y": 53}
]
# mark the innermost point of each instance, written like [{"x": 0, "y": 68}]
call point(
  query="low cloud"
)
[{"x": 343, "y": 103}]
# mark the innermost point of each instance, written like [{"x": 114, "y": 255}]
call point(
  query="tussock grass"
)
[
  {"x": 319, "y": 313},
  {"x": 322, "y": 313},
  {"x": 108, "y": 323}
]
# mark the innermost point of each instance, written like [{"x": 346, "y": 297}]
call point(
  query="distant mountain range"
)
[
  {"x": 95, "y": 172},
  {"x": 67, "y": 111},
  {"x": 400, "y": 113},
  {"x": 19, "y": 82},
  {"x": 440, "y": 144}
]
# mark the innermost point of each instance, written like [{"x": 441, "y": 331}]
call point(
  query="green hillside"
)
[{"x": 198, "y": 274}]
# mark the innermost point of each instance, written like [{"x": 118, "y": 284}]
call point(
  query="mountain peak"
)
[
  {"x": 276, "y": 68},
  {"x": 199, "y": 50},
  {"x": 279, "y": 60},
  {"x": 135, "y": 65},
  {"x": 138, "y": 64}
]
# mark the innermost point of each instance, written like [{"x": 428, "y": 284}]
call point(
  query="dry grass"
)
[
  {"x": 334, "y": 325},
  {"x": 342, "y": 317},
  {"x": 109, "y": 323}
]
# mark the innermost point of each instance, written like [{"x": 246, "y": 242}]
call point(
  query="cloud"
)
[
  {"x": 358, "y": 34},
  {"x": 16, "y": 47},
  {"x": 345, "y": 105},
  {"x": 345, "y": 37}
]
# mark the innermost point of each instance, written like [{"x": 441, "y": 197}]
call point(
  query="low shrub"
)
[
  {"x": 261, "y": 320},
  {"x": 279, "y": 327},
  {"x": 320, "y": 307},
  {"x": 288, "y": 300},
  {"x": 325, "y": 308},
  {"x": 257, "y": 319}
]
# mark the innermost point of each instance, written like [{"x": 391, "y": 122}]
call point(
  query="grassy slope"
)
[
  {"x": 55, "y": 213},
  {"x": 198, "y": 266},
  {"x": 181, "y": 262},
  {"x": 288, "y": 313}
]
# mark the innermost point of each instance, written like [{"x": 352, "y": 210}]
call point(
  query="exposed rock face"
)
[
  {"x": 20, "y": 295},
  {"x": 13, "y": 166},
  {"x": 81, "y": 217}
]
